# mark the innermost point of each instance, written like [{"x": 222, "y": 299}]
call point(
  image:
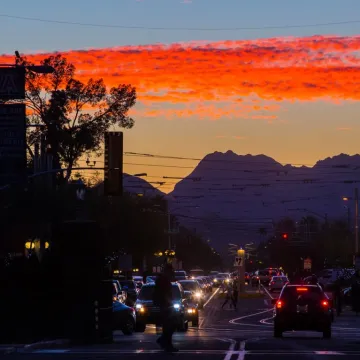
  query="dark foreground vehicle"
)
[
  {"x": 302, "y": 307},
  {"x": 148, "y": 313}
]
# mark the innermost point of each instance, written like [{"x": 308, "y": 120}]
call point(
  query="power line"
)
[
  {"x": 252, "y": 162},
  {"x": 109, "y": 26}
]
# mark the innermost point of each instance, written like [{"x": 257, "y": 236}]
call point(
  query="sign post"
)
[
  {"x": 240, "y": 260},
  {"x": 12, "y": 143},
  {"x": 12, "y": 83}
]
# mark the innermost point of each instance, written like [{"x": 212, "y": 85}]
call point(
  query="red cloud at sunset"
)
[{"x": 211, "y": 79}]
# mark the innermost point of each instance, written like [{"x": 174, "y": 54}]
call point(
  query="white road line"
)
[
  {"x": 242, "y": 351},
  {"x": 265, "y": 321},
  {"x": 230, "y": 351},
  {"x": 211, "y": 297},
  {"x": 234, "y": 321},
  {"x": 267, "y": 292}
]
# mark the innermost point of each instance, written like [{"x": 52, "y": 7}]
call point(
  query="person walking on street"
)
[
  {"x": 235, "y": 294},
  {"x": 228, "y": 297},
  {"x": 163, "y": 299}
]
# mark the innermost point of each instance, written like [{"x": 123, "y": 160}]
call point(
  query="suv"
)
[
  {"x": 302, "y": 307},
  {"x": 148, "y": 313}
]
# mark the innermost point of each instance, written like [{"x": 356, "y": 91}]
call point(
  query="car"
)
[
  {"x": 277, "y": 283},
  {"x": 131, "y": 290},
  {"x": 148, "y": 313},
  {"x": 124, "y": 318},
  {"x": 197, "y": 295},
  {"x": 301, "y": 308}
]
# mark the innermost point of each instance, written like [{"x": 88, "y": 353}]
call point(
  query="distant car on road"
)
[
  {"x": 304, "y": 308},
  {"x": 277, "y": 283}
]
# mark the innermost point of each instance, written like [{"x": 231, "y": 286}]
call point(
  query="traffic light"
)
[{"x": 285, "y": 236}]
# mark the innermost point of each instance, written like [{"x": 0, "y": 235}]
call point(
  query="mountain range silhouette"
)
[{"x": 228, "y": 197}]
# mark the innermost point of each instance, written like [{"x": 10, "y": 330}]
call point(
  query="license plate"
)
[{"x": 302, "y": 309}]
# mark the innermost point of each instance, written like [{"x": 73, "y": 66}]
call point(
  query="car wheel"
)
[
  {"x": 140, "y": 327},
  {"x": 277, "y": 332},
  {"x": 195, "y": 322},
  {"x": 327, "y": 333},
  {"x": 129, "y": 326}
]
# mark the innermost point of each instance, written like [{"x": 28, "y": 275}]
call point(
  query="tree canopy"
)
[{"x": 71, "y": 114}]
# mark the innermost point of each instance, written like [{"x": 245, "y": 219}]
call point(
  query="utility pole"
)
[
  {"x": 169, "y": 227},
  {"x": 356, "y": 221}
]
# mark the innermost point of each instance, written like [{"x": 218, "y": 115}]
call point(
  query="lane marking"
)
[
  {"x": 267, "y": 292},
  {"x": 231, "y": 349},
  {"x": 242, "y": 351},
  {"x": 211, "y": 297},
  {"x": 234, "y": 321}
]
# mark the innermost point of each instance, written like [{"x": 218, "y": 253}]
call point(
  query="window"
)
[
  {"x": 189, "y": 285},
  {"x": 147, "y": 293},
  {"x": 129, "y": 284},
  {"x": 312, "y": 293}
]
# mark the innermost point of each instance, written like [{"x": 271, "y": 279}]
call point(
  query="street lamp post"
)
[
  {"x": 356, "y": 198},
  {"x": 169, "y": 220},
  {"x": 241, "y": 271}
]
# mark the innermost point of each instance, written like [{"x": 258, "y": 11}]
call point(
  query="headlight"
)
[
  {"x": 138, "y": 306},
  {"x": 176, "y": 306},
  {"x": 191, "y": 311},
  {"x": 227, "y": 280},
  {"x": 198, "y": 294},
  {"x": 215, "y": 280}
]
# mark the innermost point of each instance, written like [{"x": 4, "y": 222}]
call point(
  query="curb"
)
[{"x": 47, "y": 344}]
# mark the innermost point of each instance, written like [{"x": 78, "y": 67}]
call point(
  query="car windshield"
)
[
  {"x": 147, "y": 293},
  {"x": 180, "y": 273},
  {"x": 189, "y": 285},
  {"x": 129, "y": 284},
  {"x": 263, "y": 273},
  {"x": 280, "y": 278}
]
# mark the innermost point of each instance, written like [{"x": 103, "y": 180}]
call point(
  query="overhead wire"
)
[{"x": 162, "y": 28}]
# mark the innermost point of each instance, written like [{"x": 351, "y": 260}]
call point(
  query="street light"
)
[
  {"x": 356, "y": 198},
  {"x": 39, "y": 69}
]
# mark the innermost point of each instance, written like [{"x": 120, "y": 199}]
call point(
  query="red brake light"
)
[
  {"x": 325, "y": 303},
  {"x": 279, "y": 304},
  {"x": 301, "y": 289}
]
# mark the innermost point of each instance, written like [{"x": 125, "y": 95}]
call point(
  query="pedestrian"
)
[
  {"x": 163, "y": 299},
  {"x": 235, "y": 295},
  {"x": 228, "y": 297}
]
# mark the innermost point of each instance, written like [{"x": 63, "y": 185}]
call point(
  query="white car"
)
[{"x": 277, "y": 283}]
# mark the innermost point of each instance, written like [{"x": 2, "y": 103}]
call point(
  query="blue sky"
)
[
  {"x": 305, "y": 132},
  {"x": 28, "y": 36}
]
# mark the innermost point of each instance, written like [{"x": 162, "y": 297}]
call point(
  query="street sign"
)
[
  {"x": 12, "y": 83},
  {"x": 12, "y": 143},
  {"x": 307, "y": 264},
  {"x": 238, "y": 261}
]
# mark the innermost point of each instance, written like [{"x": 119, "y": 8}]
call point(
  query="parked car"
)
[{"x": 131, "y": 290}]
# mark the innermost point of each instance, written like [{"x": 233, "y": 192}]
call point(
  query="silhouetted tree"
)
[{"x": 74, "y": 114}]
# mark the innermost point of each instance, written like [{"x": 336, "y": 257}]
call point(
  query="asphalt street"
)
[{"x": 226, "y": 334}]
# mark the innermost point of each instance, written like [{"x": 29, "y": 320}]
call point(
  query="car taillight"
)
[
  {"x": 272, "y": 283},
  {"x": 325, "y": 303},
  {"x": 279, "y": 304}
]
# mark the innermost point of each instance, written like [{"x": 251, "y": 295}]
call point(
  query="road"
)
[{"x": 226, "y": 334}]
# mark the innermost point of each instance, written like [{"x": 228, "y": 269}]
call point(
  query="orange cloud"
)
[
  {"x": 343, "y": 129},
  {"x": 210, "y": 73}
]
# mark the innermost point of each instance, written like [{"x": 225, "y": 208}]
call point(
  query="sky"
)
[{"x": 282, "y": 89}]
